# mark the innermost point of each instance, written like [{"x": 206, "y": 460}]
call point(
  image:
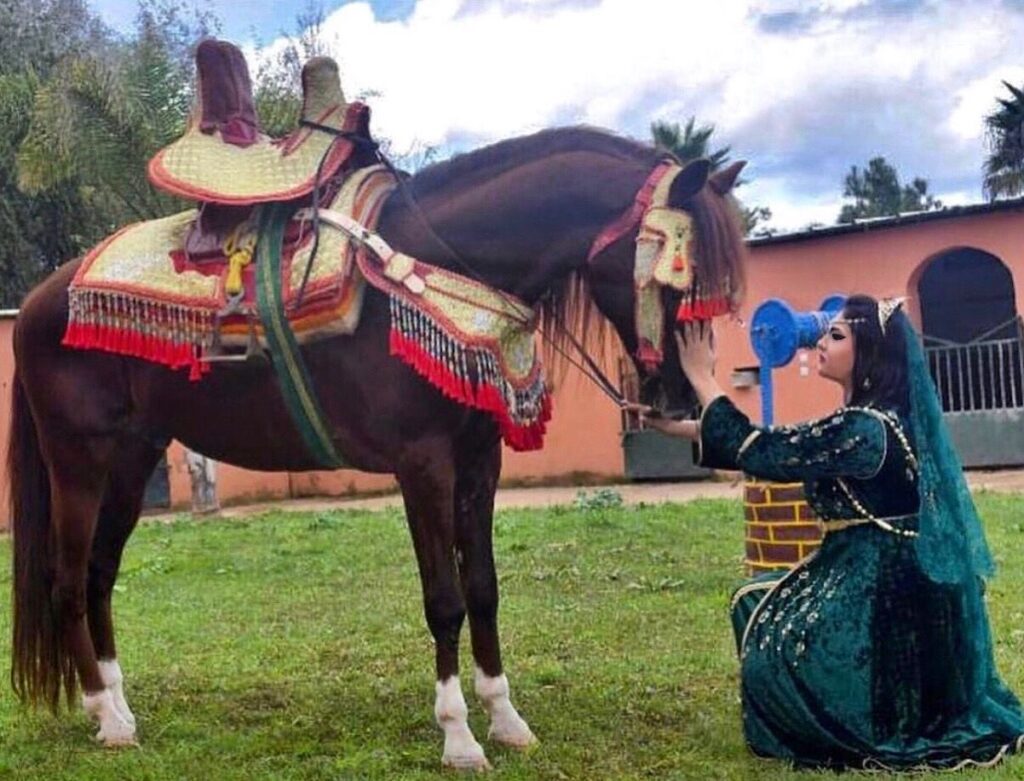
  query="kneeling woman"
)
[{"x": 875, "y": 652}]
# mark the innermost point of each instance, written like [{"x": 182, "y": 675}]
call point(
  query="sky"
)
[{"x": 802, "y": 90}]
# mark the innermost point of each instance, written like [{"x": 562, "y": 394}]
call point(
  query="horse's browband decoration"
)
[{"x": 663, "y": 260}]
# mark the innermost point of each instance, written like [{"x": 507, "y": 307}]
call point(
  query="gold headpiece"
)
[{"x": 887, "y": 307}]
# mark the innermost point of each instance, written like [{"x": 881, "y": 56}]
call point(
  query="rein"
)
[{"x": 620, "y": 227}]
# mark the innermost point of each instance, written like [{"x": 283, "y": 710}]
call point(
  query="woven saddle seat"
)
[{"x": 226, "y": 163}]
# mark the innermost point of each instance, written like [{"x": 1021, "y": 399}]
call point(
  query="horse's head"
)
[
  {"x": 686, "y": 265},
  {"x": 522, "y": 214}
]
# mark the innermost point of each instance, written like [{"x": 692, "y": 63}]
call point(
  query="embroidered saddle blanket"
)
[{"x": 139, "y": 293}]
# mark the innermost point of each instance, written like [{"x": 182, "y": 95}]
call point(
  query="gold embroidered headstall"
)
[{"x": 663, "y": 259}]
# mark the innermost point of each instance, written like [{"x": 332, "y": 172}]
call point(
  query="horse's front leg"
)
[
  {"x": 475, "y": 486},
  {"x": 427, "y": 479}
]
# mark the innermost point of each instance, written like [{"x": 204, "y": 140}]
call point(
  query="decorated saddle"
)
[
  {"x": 279, "y": 252},
  {"x": 224, "y": 158}
]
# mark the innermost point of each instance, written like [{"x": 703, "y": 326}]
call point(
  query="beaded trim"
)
[
  {"x": 893, "y": 422},
  {"x": 747, "y": 443},
  {"x": 882, "y": 523},
  {"x": 750, "y": 588},
  {"x": 846, "y": 523}
]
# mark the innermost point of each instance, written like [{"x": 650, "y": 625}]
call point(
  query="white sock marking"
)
[
  {"x": 507, "y": 726},
  {"x": 461, "y": 749}
]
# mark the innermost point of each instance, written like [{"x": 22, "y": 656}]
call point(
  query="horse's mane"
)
[{"x": 502, "y": 156}]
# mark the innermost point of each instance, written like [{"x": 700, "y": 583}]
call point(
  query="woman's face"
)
[{"x": 836, "y": 352}]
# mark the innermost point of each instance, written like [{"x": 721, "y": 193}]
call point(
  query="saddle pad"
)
[
  {"x": 472, "y": 342},
  {"x": 138, "y": 294}
]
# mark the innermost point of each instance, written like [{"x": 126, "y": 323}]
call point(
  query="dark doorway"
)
[
  {"x": 967, "y": 294},
  {"x": 973, "y": 342}
]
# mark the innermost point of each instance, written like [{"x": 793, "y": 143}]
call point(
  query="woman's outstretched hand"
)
[
  {"x": 697, "y": 358},
  {"x": 696, "y": 351}
]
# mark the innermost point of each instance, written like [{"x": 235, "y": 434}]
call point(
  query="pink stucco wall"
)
[
  {"x": 583, "y": 436},
  {"x": 881, "y": 262}
]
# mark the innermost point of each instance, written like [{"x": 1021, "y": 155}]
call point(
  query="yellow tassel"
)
[{"x": 239, "y": 256}]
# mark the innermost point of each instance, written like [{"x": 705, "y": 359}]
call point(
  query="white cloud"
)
[
  {"x": 790, "y": 212},
  {"x": 978, "y": 98},
  {"x": 847, "y": 79}
]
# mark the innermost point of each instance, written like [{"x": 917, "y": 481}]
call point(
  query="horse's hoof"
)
[
  {"x": 115, "y": 730},
  {"x": 526, "y": 742},
  {"x": 471, "y": 758},
  {"x": 514, "y": 733},
  {"x": 117, "y": 741}
]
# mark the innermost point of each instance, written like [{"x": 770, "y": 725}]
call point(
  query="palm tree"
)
[
  {"x": 96, "y": 123},
  {"x": 1004, "y": 130},
  {"x": 691, "y": 142},
  {"x": 688, "y": 142}
]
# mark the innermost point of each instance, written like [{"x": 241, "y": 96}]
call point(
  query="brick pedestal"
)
[{"x": 781, "y": 528}]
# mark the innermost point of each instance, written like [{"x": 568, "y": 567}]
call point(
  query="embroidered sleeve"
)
[{"x": 848, "y": 443}]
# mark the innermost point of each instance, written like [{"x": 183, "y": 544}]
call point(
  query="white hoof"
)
[
  {"x": 515, "y": 734},
  {"x": 507, "y": 726},
  {"x": 114, "y": 730},
  {"x": 461, "y": 749},
  {"x": 465, "y": 756},
  {"x": 113, "y": 679}
]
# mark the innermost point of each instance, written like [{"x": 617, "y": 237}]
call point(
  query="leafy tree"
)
[
  {"x": 877, "y": 192},
  {"x": 689, "y": 142},
  {"x": 101, "y": 115},
  {"x": 278, "y": 85},
  {"x": 1004, "y": 131},
  {"x": 39, "y": 230}
]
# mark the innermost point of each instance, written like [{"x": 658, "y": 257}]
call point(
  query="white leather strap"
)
[{"x": 357, "y": 231}]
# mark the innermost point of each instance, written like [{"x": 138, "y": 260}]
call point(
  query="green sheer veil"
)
[{"x": 951, "y": 546}]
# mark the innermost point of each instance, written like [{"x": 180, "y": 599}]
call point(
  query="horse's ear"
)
[
  {"x": 689, "y": 181},
  {"x": 723, "y": 181}
]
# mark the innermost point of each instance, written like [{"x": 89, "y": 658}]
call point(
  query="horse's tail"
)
[{"x": 40, "y": 663}]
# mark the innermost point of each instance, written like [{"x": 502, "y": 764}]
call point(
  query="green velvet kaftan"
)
[{"x": 855, "y": 658}]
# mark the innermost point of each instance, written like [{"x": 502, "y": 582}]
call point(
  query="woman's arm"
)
[
  {"x": 688, "y": 429},
  {"x": 848, "y": 442},
  {"x": 698, "y": 361}
]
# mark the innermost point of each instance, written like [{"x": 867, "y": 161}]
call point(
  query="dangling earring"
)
[{"x": 866, "y": 385}]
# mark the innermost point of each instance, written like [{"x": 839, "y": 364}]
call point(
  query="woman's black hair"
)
[{"x": 880, "y": 359}]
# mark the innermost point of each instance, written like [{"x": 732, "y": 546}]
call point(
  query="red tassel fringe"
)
[
  {"x": 702, "y": 309},
  {"x": 122, "y": 341},
  {"x": 486, "y": 397}
]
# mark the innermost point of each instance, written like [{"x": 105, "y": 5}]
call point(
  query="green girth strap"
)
[{"x": 292, "y": 376}]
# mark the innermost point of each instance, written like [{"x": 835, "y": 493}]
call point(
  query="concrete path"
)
[{"x": 1007, "y": 481}]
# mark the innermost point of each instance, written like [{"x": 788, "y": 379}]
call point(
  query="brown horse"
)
[{"x": 89, "y": 427}]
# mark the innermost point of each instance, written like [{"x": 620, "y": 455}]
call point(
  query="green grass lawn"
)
[{"x": 293, "y": 646}]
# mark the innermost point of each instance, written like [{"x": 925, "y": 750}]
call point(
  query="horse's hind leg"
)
[
  {"x": 122, "y": 504},
  {"x": 78, "y": 475},
  {"x": 474, "y": 512},
  {"x": 426, "y": 476}
]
